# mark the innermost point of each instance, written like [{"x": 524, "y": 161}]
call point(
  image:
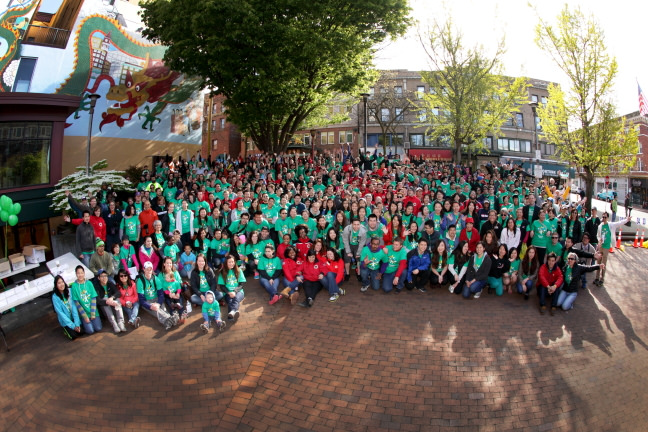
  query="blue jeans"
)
[
  {"x": 566, "y": 299},
  {"x": 330, "y": 284},
  {"x": 86, "y": 259},
  {"x": 474, "y": 288},
  {"x": 543, "y": 292},
  {"x": 584, "y": 280},
  {"x": 388, "y": 282},
  {"x": 370, "y": 278},
  {"x": 234, "y": 302},
  {"x": 198, "y": 301},
  {"x": 208, "y": 319},
  {"x": 294, "y": 285},
  {"x": 93, "y": 326},
  {"x": 271, "y": 288},
  {"x": 170, "y": 302},
  {"x": 529, "y": 286},
  {"x": 132, "y": 312}
]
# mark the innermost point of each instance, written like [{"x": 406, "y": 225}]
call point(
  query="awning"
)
[
  {"x": 549, "y": 170},
  {"x": 434, "y": 154}
]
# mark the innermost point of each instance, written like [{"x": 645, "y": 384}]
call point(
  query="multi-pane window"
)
[
  {"x": 514, "y": 145},
  {"x": 398, "y": 91},
  {"x": 519, "y": 120},
  {"x": 419, "y": 91},
  {"x": 22, "y": 82},
  {"x": 384, "y": 114},
  {"x": 24, "y": 153},
  {"x": 398, "y": 112}
]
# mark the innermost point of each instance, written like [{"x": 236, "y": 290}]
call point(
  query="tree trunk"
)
[
  {"x": 457, "y": 156},
  {"x": 589, "y": 189}
]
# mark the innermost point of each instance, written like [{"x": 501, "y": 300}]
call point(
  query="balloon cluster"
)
[{"x": 9, "y": 210}]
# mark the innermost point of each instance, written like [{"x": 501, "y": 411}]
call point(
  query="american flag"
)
[{"x": 643, "y": 103}]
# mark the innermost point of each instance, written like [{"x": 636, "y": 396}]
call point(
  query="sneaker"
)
[
  {"x": 422, "y": 289},
  {"x": 169, "y": 323},
  {"x": 138, "y": 320},
  {"x": 204, "y": 328},
  {"x": 189, "y": 308},
  {"x": 334, "y": 297},
  {"x": 122, "y": 327},
  {"x": 543, "y": 309},
  {"x": 286, "y": 292},
  {"x": 477, "y": 295},
  {"x": 347, "y": 277},
  {"x": 221, "y": 325},
  {"x": 364, "y": 288},
  {"x": 342, "y": 291},
  {"x": 131, "y": 323},
  {"x": 275, "y": 299},
  {"x": 310, "y": 302},
  {"x": 175, "y": 317},
  {"x": 236, "y": 314},
  {"x": 230, "y": 315},
  {"x": 304, "y": 304},
  {"x": 552, "y": 311},
  {"x": 451, "y": 289},
  {"x": 256, "y": 275},
  {"x": 596, "y": 281},
  {"x": 397, "y": 291}
]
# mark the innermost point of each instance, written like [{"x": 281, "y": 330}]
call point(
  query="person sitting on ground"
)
[
  {"x": 85, "y": 300},
  {"x": 169, "y": 281},
  {"x": 128, "y": 298},
  {"x": 510, "y": 278},
  {"x": 66, "y": 312},
  {"x": 270, "y": 272},
  {"x": 572, "y": 274},
  {"x": 211, "y": 312},
  {"x": 202, "y": 280},
  {"x": 550, "y": 279},
  {"x": 394, "y": 266},
  {"x": 315, "y": 278},
  {"x": 229, "y": 281},
  {"x": 108, "y": 299},
  {"x": 370, "y": 258},
  {"x": 477, "y": 272},
  {"x": 151, "y": 298},
  {"x": 499, "y": 268},
  {"x": 528, "y": 272},
  {"x": 457, "y": 267},
  {"x": 418, "y": 267},
  {"x": 439, "y": 274},
  {"x": 186, "y": 262},
  {"x": 292, "y": 271}
]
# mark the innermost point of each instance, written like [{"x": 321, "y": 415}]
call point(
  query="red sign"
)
[{"x": 432, "y": 154}]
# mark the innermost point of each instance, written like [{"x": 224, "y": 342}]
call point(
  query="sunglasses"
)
[
  {"x": 571, "y": 259},
  {"x": 123, "y": 276}
]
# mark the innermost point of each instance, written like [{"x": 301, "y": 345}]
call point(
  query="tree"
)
[
  {"x": 469, "y": 99},
  {"x": 582, "y": 121},
  {"x": 275, "y": 61},
  {"x": 81, "y": 185},
  {"x": 390, "y": 104}
]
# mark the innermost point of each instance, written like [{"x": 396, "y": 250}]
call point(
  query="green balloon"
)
[
  {"x": 15, "y": 209},
  {"x": 3, "y": 198},
  {"x": 7, "y": 204},
  {"x": 13, "y": 220},
  {"x": 4, "y": 215}
]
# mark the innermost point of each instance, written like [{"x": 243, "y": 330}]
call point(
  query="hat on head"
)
[
  {"x": 470, "y": 220},
  {"x": 148, "y": 264},
  {"x": 100, "y": 243},
  {"x": 138, "y": 193},
  {"x": 101, "y": 271}
]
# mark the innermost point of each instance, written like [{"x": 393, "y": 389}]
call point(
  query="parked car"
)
[{"x": 606, "y": 195}]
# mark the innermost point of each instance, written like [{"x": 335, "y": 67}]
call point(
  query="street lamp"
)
[
  {"x": 93, "y": 101},
  {"x": 365, "y": 96},
  {"x": 534, "y": 107},
  {"x": 312, "y": 132}
]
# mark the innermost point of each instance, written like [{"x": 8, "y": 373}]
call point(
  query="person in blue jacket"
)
[
  {"x": 66, "y": 311},
  {"x": 418, "y": 267}
]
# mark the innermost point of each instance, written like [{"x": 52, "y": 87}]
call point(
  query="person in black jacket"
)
[
  {"x": 112, "y": 216},
  {"x": 202, "y": 280},
  {"x": 572, "y": 275},
  {"x": 430, "y": 235},
  {"x": 491, "y": 224},
  {"x": 476, "y": 277},
  {"x": 591, "y": 227},
  {"x": 108, "y": 299}
]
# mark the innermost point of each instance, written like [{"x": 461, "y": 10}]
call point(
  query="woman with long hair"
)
[
  {"x": 490, "y": 242},
  {"x": 528, "y": 272},
  {"x": 202, "y": 280},
  {"x": 456, "y": 266},
  {"x": 510, "y": 279},
  {"x": 270, "y": 272},
  {"x": 230, "y": 281},
  {"x": 292, "y": 275},
  {"x": 510, "y": 235},
  {"x": 439, "y": 265},
  {"x": 83, "y": 294},
  {"x": 66, "y": 311},
  {"x": 499, "y": 267},
  {"x": 169, "y": 281},
  {"x": 128, "y": 298},
  {"x": 394, "y": 230}
]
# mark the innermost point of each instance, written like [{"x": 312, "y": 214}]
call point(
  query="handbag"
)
[{"x": 523, "y": 250}]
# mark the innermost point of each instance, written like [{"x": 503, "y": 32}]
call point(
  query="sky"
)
[{"x": 484, "y": 22}]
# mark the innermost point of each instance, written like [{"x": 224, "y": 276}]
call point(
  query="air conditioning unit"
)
[{"x": 406, "y": 145}]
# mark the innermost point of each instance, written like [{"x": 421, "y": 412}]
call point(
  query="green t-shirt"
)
[
  {"x": 130, "y": 227},
  {"x": 375, "y": 258},
  {"x": 148, "y": 289},
  {"x": 127, "y": 254},
  {"x": 203, "y": 284},
  {"x": 557, "y": 249},
  {"x": 84, "y": 294},
  {"x": 185, "y": 220},
  {"x": 169, "y": 194},
  {"x": 541, "y": 233},
  {"x": 172, "y": 252},
  {"x": 171, "y": 286},
  {"x": 205, "y": 246},
  {"x": 606, "y": 233},
  {"x": 393, "y": 258},
  {"x": 283, "y": 227},
  {"x": 211, "y": 309},
  {"x": 231, "y": 282},
  {"x": 515, "y": 265},
  {"x": 376, "y": 233},
  {"x": 256, "y": 250},
  {"x": 220, "y": 247},
  {"x": 270, "y": 265},
  {"x": 253, "y": 226}
]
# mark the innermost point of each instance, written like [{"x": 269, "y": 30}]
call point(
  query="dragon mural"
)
[
  {"x": 13, "y": 23},
  {"x": 140, "y": 86}
]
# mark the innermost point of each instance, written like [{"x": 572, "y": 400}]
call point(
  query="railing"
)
[{"x": 46, "y": 36}]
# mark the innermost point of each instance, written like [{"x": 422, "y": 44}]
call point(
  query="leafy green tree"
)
[
  {"x": 275, "y": 61},
  {"x": 582, "y": 120},
  {"x": 469, "y": 99}
]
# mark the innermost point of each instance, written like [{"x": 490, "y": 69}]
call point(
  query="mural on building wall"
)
[
  {"x": 137, "y": 90},
  {"x": 13, "y": 24}
]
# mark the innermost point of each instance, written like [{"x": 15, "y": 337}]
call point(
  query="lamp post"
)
[
  {"x": 365, "y": 96},
  {"x": 93, "y": 101},
  {"x": 312, "y": 132},
  {"x": 534, "y": 107}
]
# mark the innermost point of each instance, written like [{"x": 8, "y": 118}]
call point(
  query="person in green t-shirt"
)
[
  {"x": 394, "y": 263},
  {"x": 230, "y": 280},
  {"x": 370, "y": 260},
  {"x": 85, "y": 299},
  {"x": 540, "y": 232},
  {"x": 211, "y": 312},
  {"x": 554, "y": 246},
  {"x": 270, "y": 272}
]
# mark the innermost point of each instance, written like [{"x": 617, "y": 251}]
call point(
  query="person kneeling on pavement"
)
[
  {"x": 572, "y": 275},
  {"x": 418, "y": 267},
  {"x": 393, "y": 266},
  {"x": 550, "y": 279},
  {"x": 108, "y": 299},
  {"x": 476, "y": 278},
  {"x": 370, "y": 258}
]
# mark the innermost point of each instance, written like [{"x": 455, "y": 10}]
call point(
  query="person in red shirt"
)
[
  {"x": 336, "y": 266},
  {"x": 98, "y": 223},
  {"x": 281, "y": 249},
  {"x": 470, "y": 234},
  {"x": 292, "y": 274},
  {"x": 303, "y": 244},
  {"x": 146, "y": 218},
  {"x": 550, "y": 279},
  {"x": 411, "y": 198},
  {"x": 317, "y": 275},
  {"x": 129, "y": 298}
]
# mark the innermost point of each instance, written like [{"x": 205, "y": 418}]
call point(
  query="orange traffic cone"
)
[
  {"x": 618, "y": 244},
  {"x": 642, "y": 238},
  {"x": 636, "y": 242},
  {"x": 612, "y": 244}
]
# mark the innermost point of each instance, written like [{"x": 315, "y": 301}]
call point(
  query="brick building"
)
[{"x": 220, "y": 137}]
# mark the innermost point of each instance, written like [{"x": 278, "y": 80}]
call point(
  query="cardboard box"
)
[
  {"x": 17, "y": 261},
  {"x": 34, "y": 254},
  {"x": 5, "y": 267}
]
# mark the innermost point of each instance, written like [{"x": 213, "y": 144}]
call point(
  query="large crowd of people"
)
[{"x": 196, "y": 231}]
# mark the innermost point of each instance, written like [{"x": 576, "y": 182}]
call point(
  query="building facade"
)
[{"x": 219, "y": 137}]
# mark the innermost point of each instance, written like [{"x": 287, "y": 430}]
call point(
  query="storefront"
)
[
  {"x": 431, "y": 154},
  {"x": 639, "y": 192},
  {"x": 547, "y": 170}
]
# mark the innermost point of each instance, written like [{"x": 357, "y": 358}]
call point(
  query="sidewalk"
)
[{"x": 639, "y": 216}]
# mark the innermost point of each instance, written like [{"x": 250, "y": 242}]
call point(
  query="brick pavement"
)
[{"x": 370, "y": 362}]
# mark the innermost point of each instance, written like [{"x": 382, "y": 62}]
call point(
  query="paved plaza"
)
[{"x": 369, "y": 362}]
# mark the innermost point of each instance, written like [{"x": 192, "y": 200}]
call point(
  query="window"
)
[
  {"x": 384, "y": 114},
  {"x": 398, "y": 112},
  {"x": 548, "y": 149},
  {"x": 519, "y": 120},
  {"x": 534, "y": 98},
  {"x": 544, "y": 100},
  {"x": 537, "y": 123},
  {"x": 513, "y": 145},
  {"x": 509, "y": 122},
  {"x": 383, "y": 90},
  {"x": 371, "y": 92},
  {"x": 213, "y": 124},
  {"x": 419, "y": 91},
  {"x": 222, "y": 123},
  {"x": 416, "y": 140},
  {"x": 323, "y": 139},
  {"x": 214, "y": 144},
  {"x": 22, "y": 82},
  {"x": 307, "y": 139},
  {"x": 422, "y": 115},
  {"x": 349, "y": 136},
  {"x": 488, "y": 142},
  {"x": 372, "y": 115},
  {"x": 24, "y": 153},
  {"x": 346, "y": 137},
  {"x": 398, "y": 91},
  {"x": 331, "y": 137}
]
